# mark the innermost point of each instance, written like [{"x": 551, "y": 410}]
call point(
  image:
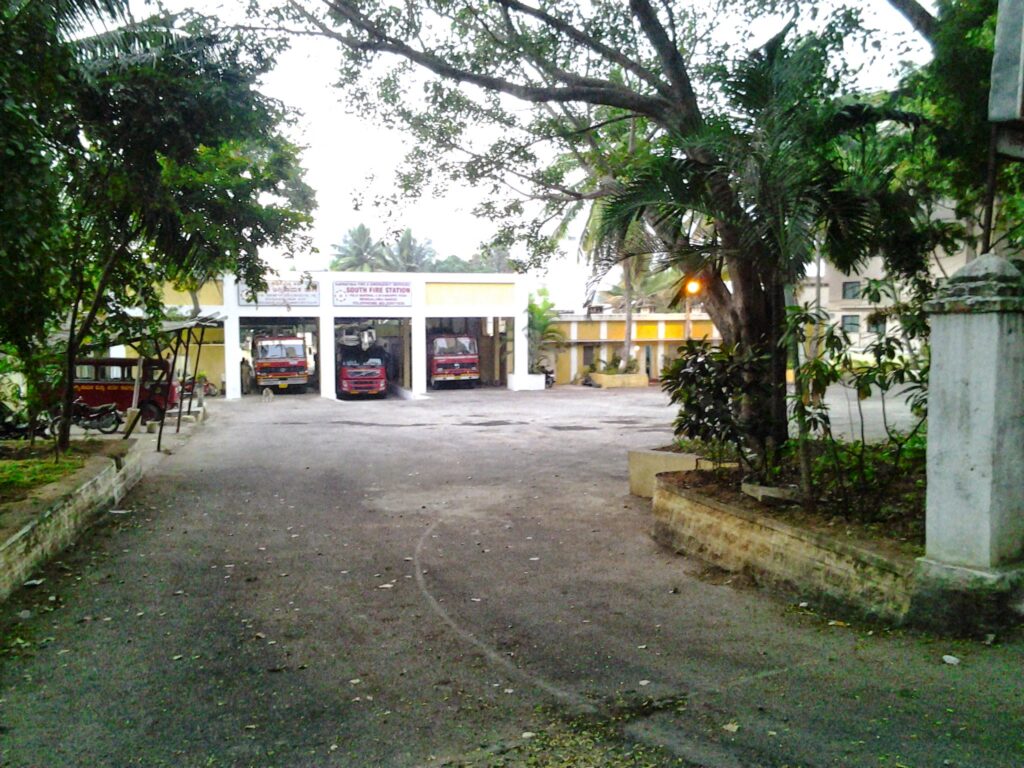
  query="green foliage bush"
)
[
  {"x": 709, "y": 383},
  {"x": 867, "y": 481}
]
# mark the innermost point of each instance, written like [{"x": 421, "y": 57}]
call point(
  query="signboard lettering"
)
[
  {"x": 283, "y": 293},
  {"x": 372, "y": 293}
]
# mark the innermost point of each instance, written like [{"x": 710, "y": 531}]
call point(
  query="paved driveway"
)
[{"x": 312, "y": 583}]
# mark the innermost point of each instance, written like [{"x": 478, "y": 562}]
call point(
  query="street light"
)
[{"x": 692, "y": 288}]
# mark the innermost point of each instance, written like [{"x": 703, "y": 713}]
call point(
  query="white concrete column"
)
[
  {"x": 521, "y": 347},
  {"x": 975, "y": 503},
  {"x": 327, "y": 363},
  {"x": 971, "y": 579},
  {"x": 495, "y": 349},
  {"x": 520, "y": 378},
  {"x": 232, "y": 347},
  {"x": 419, "y": 353},
  {"x": 573, "y": 350}
]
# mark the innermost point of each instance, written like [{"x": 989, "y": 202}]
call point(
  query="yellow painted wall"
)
[
  {"x": 589, "y": 331},
  {"x": 472, "y": 294},
  {"x": 210, "y": 336},
  {"x": 563, "y": 368},
  {"x": 212, "y": 293},
  {"x": 565, "y": 328},
  {"x": 211, "y": 360},
  {"x": 646, "y": 330},
  {"x": 702, "y": 329},
  {"x": 616, "y": 331}
]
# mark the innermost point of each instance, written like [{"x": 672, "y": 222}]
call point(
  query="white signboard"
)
[
  {"x": 283, "y": 293},
  {"x": 372, "y": 293}
]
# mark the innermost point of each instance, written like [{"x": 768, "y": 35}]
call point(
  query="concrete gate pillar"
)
[
  {"x": 972, "y": 574},
  {"x": 232, "y": 344}
]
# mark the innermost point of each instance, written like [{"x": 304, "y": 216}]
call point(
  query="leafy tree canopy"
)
[{"x": 157, "y": 159}]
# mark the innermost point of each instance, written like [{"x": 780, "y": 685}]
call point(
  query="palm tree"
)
[
  {"x": 542, "y": 335},
  {"x": 658, "y": 290},
  {"x": 492, "y": 259},
  {"x": 626, "y": 246},
  {"x": 358, "y": 252},
  {"x": 409, "y": 255},
  {"x": 795, "y": 156}
]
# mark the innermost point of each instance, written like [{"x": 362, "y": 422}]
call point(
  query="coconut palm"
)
[
  {"x": 358, "y": 252},
  {"x": 656, "y": 290},
  {"x": 797, "y": 160},
  {"x": 409, "y": 255}
]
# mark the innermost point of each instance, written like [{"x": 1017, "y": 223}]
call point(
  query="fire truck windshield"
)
[
  {"x": 269, "y": 350},
  {"x": 455, "y": 345},
  {"x": 355, "y": 362}
]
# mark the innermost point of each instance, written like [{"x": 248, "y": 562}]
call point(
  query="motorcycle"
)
[
  {"x": 105, "y": 418},
  {"x": 209, "y": 390},
  {"x": 15, "y": 425}
]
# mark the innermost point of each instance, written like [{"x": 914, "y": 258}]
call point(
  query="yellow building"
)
[{"x": 597, "y": 338}]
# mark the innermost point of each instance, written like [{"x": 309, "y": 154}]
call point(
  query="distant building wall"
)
[{"x": 598, "y": 338}]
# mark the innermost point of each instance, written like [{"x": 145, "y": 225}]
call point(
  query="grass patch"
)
[
  {"x": 19, "y": 476},
  {"x": 579, "y": 743}
]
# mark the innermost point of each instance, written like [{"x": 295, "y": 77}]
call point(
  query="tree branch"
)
[
  {"x": 920, "y": 19},
  {"x": 671, "y": 61},
  {"x": 610, "y": 54},
  {"x": 575, "y": 88}
]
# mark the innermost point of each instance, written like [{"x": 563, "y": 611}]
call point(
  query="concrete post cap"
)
[{"x": 991, "y": 283}]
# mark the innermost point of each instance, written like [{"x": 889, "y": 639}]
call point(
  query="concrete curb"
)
[
  {"x": 57, "y": 515},
  {"x": 51, "y": 524},
  {"x": 896, "y": 589},
  {"x": 814, "y": 564}
]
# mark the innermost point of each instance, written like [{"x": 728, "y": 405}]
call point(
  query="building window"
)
[
  {"x": 850, "y": 323},
  {"x": 877, "y": 327},
  {"x": 851, "y": 289},
  {"x": 588, "y": 355}
]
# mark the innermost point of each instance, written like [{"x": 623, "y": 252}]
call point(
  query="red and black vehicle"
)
[
  {"x": 280, "y": 362},
  {"x": 106, "y": 380},
  {"x": 452, "y": 357},
  {"x": 362, "y": 364},
  {"x": 362, "y": 372}
]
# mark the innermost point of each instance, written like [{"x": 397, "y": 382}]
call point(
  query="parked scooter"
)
[
  {"x": 549, "y": 378},
  {"x": 105, "y": 418}
]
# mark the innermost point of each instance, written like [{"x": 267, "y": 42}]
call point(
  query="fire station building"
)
[{"x": 404, "y": 310}]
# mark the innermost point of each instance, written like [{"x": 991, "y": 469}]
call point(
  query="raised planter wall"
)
[
  {"x": 53, "y": 523},
  {"x": 613, "y": 380},
  {"x": 645, "y": 464},
  {"x": 813, "y": 564}
]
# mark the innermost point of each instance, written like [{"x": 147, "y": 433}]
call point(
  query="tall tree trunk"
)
[
  {"x": 779, "y": 432},
  {"x": 627, "y": 296},
  {"x": 78, "y": 335}
]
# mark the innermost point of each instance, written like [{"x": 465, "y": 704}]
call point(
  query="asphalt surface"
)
[{"x": 305, "y": 582}]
